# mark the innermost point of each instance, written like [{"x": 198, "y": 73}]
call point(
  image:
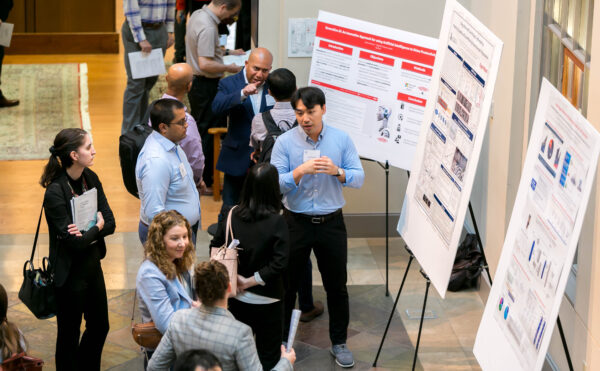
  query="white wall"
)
[{"x": 407, "y": 15}]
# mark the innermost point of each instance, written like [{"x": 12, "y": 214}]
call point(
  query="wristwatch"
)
[{"x": 340, "y": 172}]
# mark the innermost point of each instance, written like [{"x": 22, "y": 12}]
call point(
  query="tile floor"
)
[{"x": 446, "y": 343}]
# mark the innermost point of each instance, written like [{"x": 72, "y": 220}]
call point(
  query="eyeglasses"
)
[{"x": 181, "y": 122}]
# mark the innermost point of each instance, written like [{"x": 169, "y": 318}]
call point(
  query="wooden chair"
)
[{"x": 217, "y": 185}]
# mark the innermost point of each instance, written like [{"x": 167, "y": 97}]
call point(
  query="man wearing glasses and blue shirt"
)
[
  {"x": 164, "y": 177},
  {"x": 314, "y": 162}
]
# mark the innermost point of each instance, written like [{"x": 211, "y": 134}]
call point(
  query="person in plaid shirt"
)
[{"x": 148, "y": 25}]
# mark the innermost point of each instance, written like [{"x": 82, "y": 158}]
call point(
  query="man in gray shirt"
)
[{"x": 205, "y": 56}]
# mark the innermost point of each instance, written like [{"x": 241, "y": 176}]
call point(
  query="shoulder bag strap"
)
[
  {"x": 228, "y": 229},
  {"x": 37, "y": 233},
  {"x": 133, "y": 309}
]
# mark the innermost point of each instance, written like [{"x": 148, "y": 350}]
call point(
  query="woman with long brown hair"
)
[
  {"x": 164, "y": 280},
  {"x": 75, "y": 254}
]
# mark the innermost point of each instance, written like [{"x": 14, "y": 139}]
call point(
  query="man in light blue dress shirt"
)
[
  {"x": 314, "y": 162},
  {"x": 165, "y": 179}
]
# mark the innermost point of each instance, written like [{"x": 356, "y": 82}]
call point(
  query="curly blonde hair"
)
[{"x": 156, "y": 251}]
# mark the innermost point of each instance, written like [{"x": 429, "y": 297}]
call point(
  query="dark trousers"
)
[
  {"x": 232, "y": 190},
  {"x": 179, "y": 27},
  {"x": 135, "y": 97},
  {"x": 266, "y": 321},
  {"x": 305, "y": 298},
  {"x": 85, "y": 298},
  {"x": 201, "y": 96},
  {"x": 329, "y": 242}
]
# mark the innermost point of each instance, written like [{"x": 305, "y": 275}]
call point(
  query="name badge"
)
[
  {"x": 269, "y": 100},
  {"x": 310, "y": 154},
  {"x": 182, "y": 170}
]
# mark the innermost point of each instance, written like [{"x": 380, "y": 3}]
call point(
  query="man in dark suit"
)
[
  {"x": 241, "y": 96},
  {"x": 5, "y": 7}
]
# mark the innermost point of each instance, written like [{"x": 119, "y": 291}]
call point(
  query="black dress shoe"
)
[{"x": 8, "y": 102}]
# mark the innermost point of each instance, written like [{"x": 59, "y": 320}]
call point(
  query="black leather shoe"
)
[{"x": 7, "y": 102}]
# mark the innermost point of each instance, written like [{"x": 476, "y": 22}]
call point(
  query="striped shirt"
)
[{"x": 148, "y": 11}]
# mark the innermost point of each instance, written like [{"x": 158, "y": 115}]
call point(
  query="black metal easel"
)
[
  {"x": 386, "y": 167},
  {"x": 428, "y": 284}
]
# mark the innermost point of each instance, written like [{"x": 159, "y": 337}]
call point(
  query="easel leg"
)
[
  {"x": 422, "y": 318},
  {"x": 387, "y": 233},
  {"x": 394, "y": 307},
  {"x": 564, "y": 343},
  {"x": 485, "y": 263}
]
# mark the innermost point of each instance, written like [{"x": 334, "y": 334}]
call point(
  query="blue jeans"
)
[{"x": 143, "y": 232}]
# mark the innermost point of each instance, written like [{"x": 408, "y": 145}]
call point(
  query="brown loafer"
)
[{"x": 314, "y": 313}]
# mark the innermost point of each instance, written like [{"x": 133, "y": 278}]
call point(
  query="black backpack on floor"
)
[
  {"x": 273, "y": 132},
  {"x": 130, "y": 145},
  {"x": 467, "y": 265}
]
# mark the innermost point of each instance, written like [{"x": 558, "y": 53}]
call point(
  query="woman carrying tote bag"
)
[
  {"x": 75, "y": 254},
  {"x": 263, "y": 258}
]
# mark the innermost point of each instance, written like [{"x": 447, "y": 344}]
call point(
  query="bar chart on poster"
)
[
  {"x": 376, "y": 80},
  {"x": 452, "y": 130},
  {"x": 541, "y": 239}
]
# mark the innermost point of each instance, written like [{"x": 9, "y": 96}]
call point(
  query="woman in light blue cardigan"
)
[{"x": 164, "y": 281}]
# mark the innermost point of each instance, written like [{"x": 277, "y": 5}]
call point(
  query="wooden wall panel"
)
[
  {"x": 75, "y": 16},
  {"x": 64, "y": 43},
  {"x": 17, "y": 16}
]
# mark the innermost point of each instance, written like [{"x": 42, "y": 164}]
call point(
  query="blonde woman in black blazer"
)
[
  {"x": 75, "y": 255},
  {"x": 263, "y": 258}
]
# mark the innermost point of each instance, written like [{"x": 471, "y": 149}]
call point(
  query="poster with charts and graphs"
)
[
  {"x": 376, "y": 80},
  {"x": 454, "y": 123},
  {"x": 542, "y": 236}
]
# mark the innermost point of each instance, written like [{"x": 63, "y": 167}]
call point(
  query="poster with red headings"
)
[{"x": 376, "y": 80}]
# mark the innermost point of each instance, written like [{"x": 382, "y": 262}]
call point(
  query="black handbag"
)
[{"x": 37, "y": 290}]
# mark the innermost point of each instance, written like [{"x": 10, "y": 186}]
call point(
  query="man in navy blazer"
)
[{"x": 241, "y": 97}]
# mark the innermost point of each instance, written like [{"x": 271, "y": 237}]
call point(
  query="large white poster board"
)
[
  {"x": 376, "y": 81},
  {"x": 454, "y": 123},
  {"x": 542, "y": 236}
]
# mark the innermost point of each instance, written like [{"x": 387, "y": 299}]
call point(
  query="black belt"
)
[
  {"x": 317, "y": 219},
  {"x": 152, "y": 25}
]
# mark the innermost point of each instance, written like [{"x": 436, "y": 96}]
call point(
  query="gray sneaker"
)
[{"x": 343, "y": 355}]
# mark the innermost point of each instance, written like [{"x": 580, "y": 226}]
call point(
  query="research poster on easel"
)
[
  {"x": 376, "y": 81},
  {"x": 454, "y": 123},
  {"x": 542, "y": 236}
]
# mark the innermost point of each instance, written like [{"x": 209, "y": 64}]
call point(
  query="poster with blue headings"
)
[{"x": 541, "y": 239}]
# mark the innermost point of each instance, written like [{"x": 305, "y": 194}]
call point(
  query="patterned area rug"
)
[{"x": 53, "y": 97}]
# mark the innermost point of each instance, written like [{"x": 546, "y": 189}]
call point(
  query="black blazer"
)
[
  {"x": 265, "y": 248},
  {"x": 57, "y": 206}
]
